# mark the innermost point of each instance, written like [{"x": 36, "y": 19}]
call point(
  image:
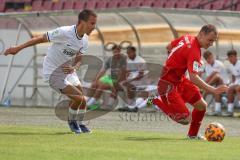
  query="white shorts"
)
[
  {"x": 237, "y": 82},
  {"x": 59, "y": 81}
]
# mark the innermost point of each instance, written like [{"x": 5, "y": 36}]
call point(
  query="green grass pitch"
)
[{"x": 57, "y": 143}]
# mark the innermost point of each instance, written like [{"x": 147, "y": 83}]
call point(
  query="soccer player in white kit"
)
[
  {"x": 136, "y": 68},
  {"x": 62, "y": 60}
]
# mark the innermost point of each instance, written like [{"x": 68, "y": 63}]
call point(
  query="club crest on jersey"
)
[{"x": 196, "y": 66}]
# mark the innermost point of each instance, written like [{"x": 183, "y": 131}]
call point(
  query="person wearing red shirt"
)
[{"x": 175, "y": 89}]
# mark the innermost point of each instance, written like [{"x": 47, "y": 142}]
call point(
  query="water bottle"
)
[
  {"x": 7, "y": 101},
  {"x": 224, "y": 101}
]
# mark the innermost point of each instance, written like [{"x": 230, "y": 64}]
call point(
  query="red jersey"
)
[{"x": 185, "y": 55}]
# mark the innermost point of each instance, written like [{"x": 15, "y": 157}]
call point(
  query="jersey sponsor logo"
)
[
  {"x": 68, "y": 52},
  {"x": 238, "y": 71}
]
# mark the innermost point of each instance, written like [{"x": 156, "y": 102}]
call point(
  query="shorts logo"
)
[{"x": 55, "y": 32}]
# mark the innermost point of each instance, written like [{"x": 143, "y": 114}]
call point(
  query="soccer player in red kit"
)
[{"x": 185, "y": 55}]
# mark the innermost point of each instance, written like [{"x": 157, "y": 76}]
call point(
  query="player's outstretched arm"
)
[
  {"x": 36, "y": 40},
  {"x": 201, "y": 84}
]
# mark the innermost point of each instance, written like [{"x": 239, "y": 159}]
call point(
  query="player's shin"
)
[
  {"x": 72, "y": 120},
  {"x": 197, "y": 117},
  {"x": 81, "y": 114},
  {"x": 81, "y": 110},
  {"x": 72, "y": 114}
]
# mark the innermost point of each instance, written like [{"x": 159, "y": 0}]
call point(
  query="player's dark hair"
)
[
  {"x": 206, "y": 54},
  {"x": 131, "y": 48},
  {"x": 208, "y": 28},
  {"x": 85, "y": 14},
  {"x": 232, "y": 52}
]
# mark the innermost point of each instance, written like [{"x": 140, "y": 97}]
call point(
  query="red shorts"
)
[{"x": 173, "y": 102}]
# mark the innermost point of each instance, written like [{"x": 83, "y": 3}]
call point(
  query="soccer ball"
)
[{"x": 215, "y": 132}]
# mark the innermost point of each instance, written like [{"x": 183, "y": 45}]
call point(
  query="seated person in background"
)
[
  {"x": 136, "y": 68},
  {"x": 234, "y": 87},
  {"x": 117, "y": 66},
  {"x": 215, "y": 72}
]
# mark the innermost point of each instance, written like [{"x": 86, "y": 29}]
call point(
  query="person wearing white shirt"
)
[
  {"x": 62, "y": 59},
  {"x": 136, "y": 69},
  {"x": 215, "y": 75},
  {"x": 234, "y": 87}
]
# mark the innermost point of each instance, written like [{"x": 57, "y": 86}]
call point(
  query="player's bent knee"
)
[
  {"x": 201, "y": 108},
  {"x": 80, "y": 100},
  {"x": 185, "y": 121},
  {"x": 200, "y": 105}
]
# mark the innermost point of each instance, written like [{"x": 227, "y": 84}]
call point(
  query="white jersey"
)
[
  {"x": 235, "y": 70},
  {"x": 219, "y": 67},
  {"x": 135, "y": 66},
  {"x": 65, "y": 45}
]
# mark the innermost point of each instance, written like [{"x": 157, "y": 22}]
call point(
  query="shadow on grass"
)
[
  {"x": 153, "y": 139},
  {"x": 34, "y": 133}
]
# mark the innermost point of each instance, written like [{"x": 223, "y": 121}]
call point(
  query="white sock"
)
[
  {"x": 217, "y": 107},
  {"x": 142, "y": 104},
  {"x": 81, "y": 114},
  {"x": 138, "y": 102},
  {"x": 91, "y": 101},
  {"x": 230, "y": 107},
  {"x": 72, "y": 114}
]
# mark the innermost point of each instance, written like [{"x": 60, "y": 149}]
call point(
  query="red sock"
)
[{"x": 197, "y": 117}]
